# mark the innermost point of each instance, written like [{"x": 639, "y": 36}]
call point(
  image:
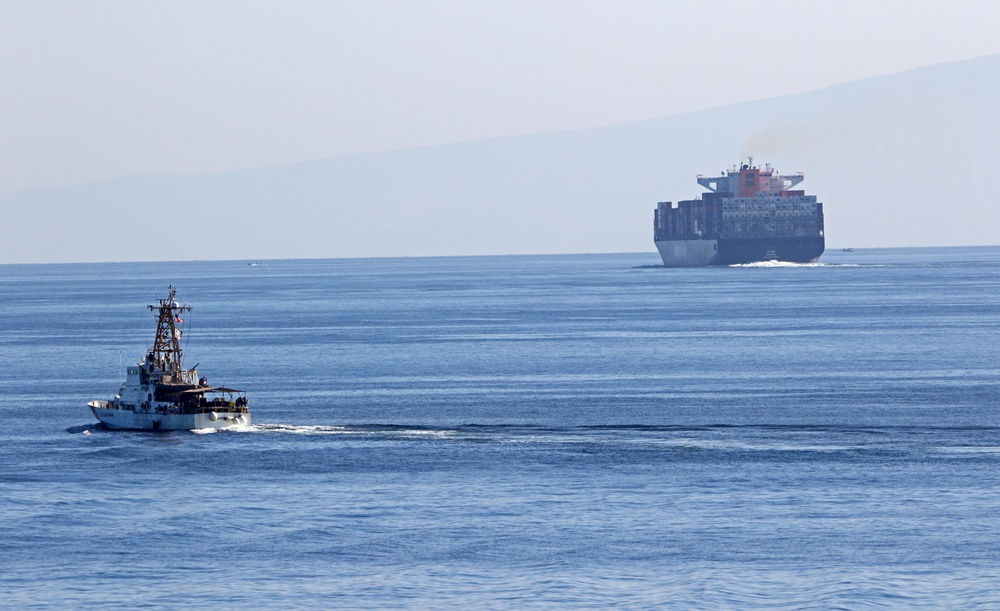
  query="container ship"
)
[{"x": 751, "y": 214}]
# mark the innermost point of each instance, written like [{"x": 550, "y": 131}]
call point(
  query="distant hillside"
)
[{"x": 900, "y": 160}]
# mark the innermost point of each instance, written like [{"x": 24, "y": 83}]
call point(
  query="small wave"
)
[
  {"x": 85, "y": 429},
  {"x": 736, "y": 445},
  {"x": 969, "y": 450}
]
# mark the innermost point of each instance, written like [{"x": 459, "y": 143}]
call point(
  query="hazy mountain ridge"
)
[{"x": 899, "y": 160}]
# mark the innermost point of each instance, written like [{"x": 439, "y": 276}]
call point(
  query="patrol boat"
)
[{"x": 160, "y": 395}]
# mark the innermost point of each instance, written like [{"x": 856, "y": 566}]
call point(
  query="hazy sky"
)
[{"x": 92, "y": 90}]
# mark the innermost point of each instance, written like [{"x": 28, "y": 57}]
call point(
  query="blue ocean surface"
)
[{"x": 513, "y": 432}]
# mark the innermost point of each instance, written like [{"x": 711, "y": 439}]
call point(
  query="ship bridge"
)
[{"x": 749, "y": 180}]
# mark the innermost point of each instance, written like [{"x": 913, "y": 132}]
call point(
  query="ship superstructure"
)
[
  {"x": 159, "y": 394},
  {"x": 750, "y": 214}
]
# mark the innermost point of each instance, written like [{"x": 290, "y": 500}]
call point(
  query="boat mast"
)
[{"x": 166, "y": 350}]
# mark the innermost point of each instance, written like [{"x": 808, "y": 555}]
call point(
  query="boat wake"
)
[
  {"x": 322, "y": 429},
  {"x": 778, "y": 264},
  {"x": 765, "y": 264},
  {"x": 719, "y": 439}
]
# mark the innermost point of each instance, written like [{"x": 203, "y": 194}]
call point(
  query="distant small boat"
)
[
  {"x": 847, "y": 250},
  {"x": 253, "y": 263}
]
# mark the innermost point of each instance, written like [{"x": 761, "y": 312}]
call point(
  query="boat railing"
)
[{"x": 217, "y": 405}]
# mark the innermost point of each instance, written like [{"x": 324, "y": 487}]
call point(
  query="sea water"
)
[{"x": 513, "y": 432}]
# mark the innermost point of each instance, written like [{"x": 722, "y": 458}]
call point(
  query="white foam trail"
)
[
  {"x": 319, "y": 429},
  {"x": 778, "y": 264},
  {"x": 316, "y": 429}
]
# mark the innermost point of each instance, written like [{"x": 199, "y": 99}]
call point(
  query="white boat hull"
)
[{"x": 127, "y": 419}]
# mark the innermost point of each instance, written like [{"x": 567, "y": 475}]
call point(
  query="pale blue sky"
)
[{"x": 92, "y": 90}]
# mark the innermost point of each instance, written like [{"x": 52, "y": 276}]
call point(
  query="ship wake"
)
[{"x": 778, "y": 264}]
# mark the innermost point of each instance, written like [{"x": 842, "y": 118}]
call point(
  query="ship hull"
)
[
  {"x": 703, "y": 253},
  {"x": 127, "y": 419}
]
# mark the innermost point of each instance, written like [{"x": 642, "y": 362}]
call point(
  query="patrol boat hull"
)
[{"x": 130, "y": 420}]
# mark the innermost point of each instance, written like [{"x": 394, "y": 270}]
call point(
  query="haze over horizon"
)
[{"x": 103, "y": 91}]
